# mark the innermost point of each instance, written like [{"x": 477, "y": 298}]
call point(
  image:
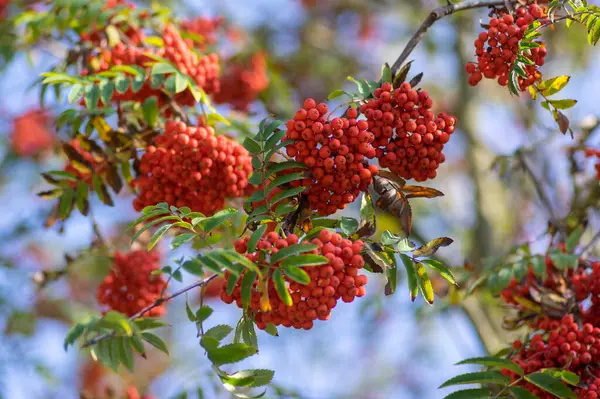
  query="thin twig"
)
[
  {"x": 156, "y": 303},
  {"x": 439, "y": 13}
]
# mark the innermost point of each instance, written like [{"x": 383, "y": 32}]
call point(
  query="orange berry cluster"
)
[
  {"x": 335, "y": 152},
  {"x": 337, "y": 279},
  {"x": 242, "y": 82},
  {"x": 207, "y": 28},
  {"x": 84, "y": 175},
  {"x": 589, "y": 153},
  {"x": 408, "y": 136},
  {"x": 32, "y": 133},
  {"x": 131, "y": 286},
  {"x": 191, "y": 166},
  {"x": 204, "y": 70},
  {"x": 497, "y": 49},
  {"x": 565, "y": 346}
]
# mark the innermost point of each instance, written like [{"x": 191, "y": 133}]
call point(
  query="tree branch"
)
[
  {"x": 439, "y": 13},
  {"x": 156, "y": 303}
]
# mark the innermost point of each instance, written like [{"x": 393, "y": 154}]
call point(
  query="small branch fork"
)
[
  {"x": 437, "y": 14},
  {"x": 148, "y": 308}
]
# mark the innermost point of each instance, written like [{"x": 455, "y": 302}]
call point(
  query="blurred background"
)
[{"x": 375, "y": 347}]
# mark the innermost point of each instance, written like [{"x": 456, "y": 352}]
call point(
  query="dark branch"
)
[
  {"x": 156, "y": 303},
  {"x": 439, "y": 13}
]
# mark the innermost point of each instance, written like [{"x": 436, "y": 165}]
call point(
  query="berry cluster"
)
[
  {"x": 337, "y": 279},
  {"x": 335, "y": 152},
  {"x": 497, "y": 49},
  {"x": 191, "y": 166},
  {"x": 84, "y": 173},
  {"x": 32, "y": 133},
  {"x": 590, "y": 152},
  {"x": 97, "y": 35},
  {"x": 131, "y": 286},
  {"x": 408, "y": 135},
  {"x": 204, "y": 70},
  {"x": 565, "y": 346},
  {"x": 206, "y": 28},
  {"x": 242, "y": 82}
]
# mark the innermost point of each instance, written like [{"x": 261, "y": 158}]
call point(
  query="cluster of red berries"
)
[
  {"x": 32, "y": 133},
  {"x": 131, "y": 286},
  {"x": 408, "y": 136},
  {"x": 204, "y": 70},
  {"x": 497, "y": 49},
  {"x": 242, "y": 82},
  {"x": 337, "y": 279},
  {"x": 191, "y": 166},
  {"x": 84, "y": 173},
  {"x": 206, "y": 28},
  {"x": 97, "y": 35},
  {"x": 565, "y": 346},
  {"x": 335, "y": 152},
  {"x": 522, "y": 288},
  {"x": 590, "y": 152}
]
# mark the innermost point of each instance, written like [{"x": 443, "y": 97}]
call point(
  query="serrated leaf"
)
[
  {"x": 292, "y": 192},
  {"x": 158, "y": 235},
  {"x": 281, "y": 288},
  {"x": 304, "y": 260},
  {"x": 155, "y": 341},
  {"x": 255, "y": 237},
  {"x": 282, "y": 179},
  {"x": 218, "y": 219},
  {"x": 411, "y": 276},
  {"x": 443, "y": 270},
  {"x": 219, "y": 332},
  {"x": 203, "y": 313},
  {"x": 297, "y": 274},
  {"x": 475, "y": 393},
  {"x": 550, "y": 384},
  {"x": 252, "y": 146},
  {"x": 125, "y": 352},
  {"x": 149, "y": 323},
  {"x": 291, "y": 250},
  {"x": 491, "y": 361},
  {"x": 280, "y": 166},
  {"x": 231, "y": 353},
  {"x": 478, "y": 377},
  {"x": 432, "y": 246}
]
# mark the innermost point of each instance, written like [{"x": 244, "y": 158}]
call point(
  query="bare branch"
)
[
  {"x": 439, "y": 13},
  {"x": 156, "y": 303}
]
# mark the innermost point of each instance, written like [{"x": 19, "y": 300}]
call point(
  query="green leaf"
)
[
  {"x": 564, "y": 261},
  {"x": 279, "y": 166},
  {"x": 411, "y": 276},
  {"x": 161, "y": 68},
  {"x": 475, "y": 393},
  {"x": 443, "y": 270},
  {"x": 491, "y": 361},
  {"x": 246, "y": 287},
  {"x": 150, "y": 109},
  {"x": 74, "y": 333},
  {"x": 386, "y": 73},
  {"x": 550, "y": 384},
  {"x": 182, "y": 239},
  {"x": 424, "y": 283},
  {"x": 92, "y": 95},
  {"x": 478, "y": 377},
  {"x": 522, "y": 393},
  {"x": 218, "y": 219},
  {"x": 574, "y": 238},
  {"x": 51, "y": 194},
  {"x": 75, "y": 93},
  {"x": 348, "y": 225},
  {"x": 292, "y": 192},
  {"x": 122, "y": 84},
  {"x": 279, "y": 180},
  {"x": 66, "y": 204},
  {"x": 107, "y": 89},
  {"x": 297, "y": 274},
  {"x": 336, "y": 94},
  {"x": 149, "y": 323},
  {"x": 137, "y": 82},
  {"x": 155, "y": 341},
  {"x": 291, "y": 250},
  {"x": 127, "y": 69},
  {"x": 118, "y": 322},
  {"x": 191, "y": 316},
  {"x": 157, "y": 235},
  {"x": 553, "y": 85},
  {"x": 203, "y": 313},
  {"x": 255, "y": 237},
  {"x": 304, "y": 260},
  {"x": 181, "y": 82},
  {"x": 391, "y": 274},
  {"x": 231, "y": 353},
  {"x": 569, "y": 377},
  {"x": 219, "y": 332},
  {"x": 252, "y": 146},
  {"x": 363, "y": 87},
  {"x": 101, "y": 190},
  {"x": 563, "y": 104},
  {"x": 539, "y": 266},
  {"x": 271, "y": 330},
  {"x": 125, "y": 352},
  {"x": 281, "y": 289}
]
